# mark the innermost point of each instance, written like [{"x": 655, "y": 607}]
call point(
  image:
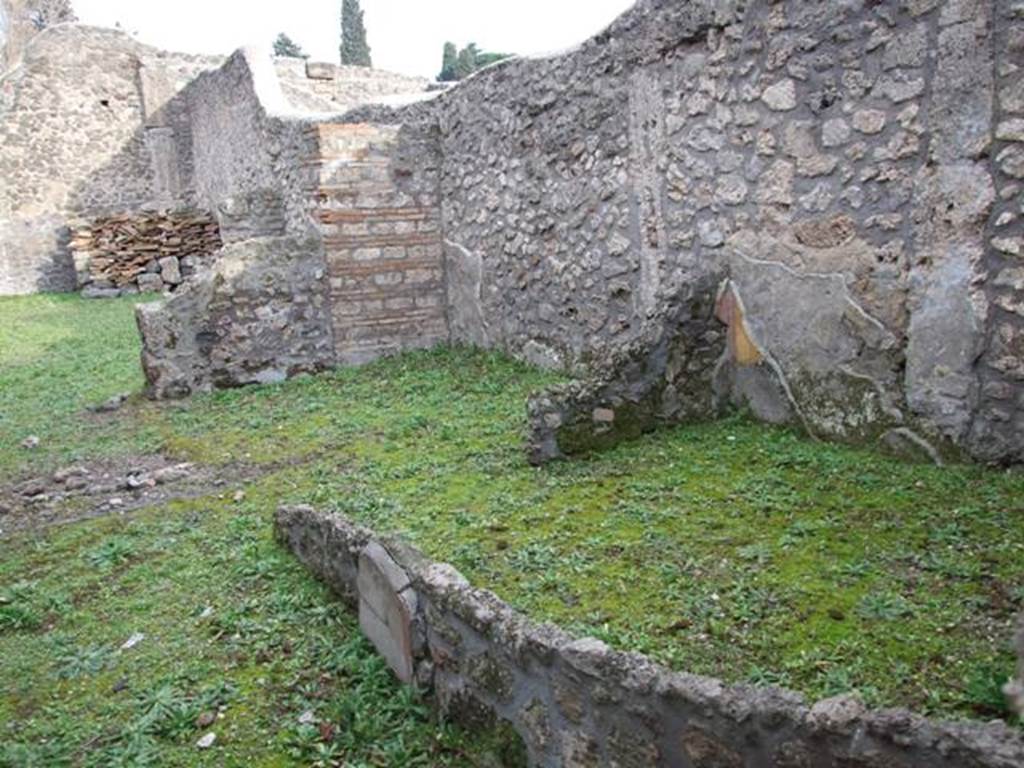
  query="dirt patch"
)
[{"x": 111, "y": 486}]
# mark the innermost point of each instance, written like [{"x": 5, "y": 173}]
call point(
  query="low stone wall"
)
[{"x": 576, "y": 702}]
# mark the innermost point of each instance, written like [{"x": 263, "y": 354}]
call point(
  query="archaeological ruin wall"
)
[
  {"x": 850, "y": 172},
  {"x": 89, "y": 128},
  {"x": 333, "y": 252},
  {"x": 259, "y": 312},
  {"x": 810, "y": 210}
]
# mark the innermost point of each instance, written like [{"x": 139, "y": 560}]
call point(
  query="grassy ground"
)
[
  {"x": 237, "y": 640},
  {"x": 730, "y": 549}
]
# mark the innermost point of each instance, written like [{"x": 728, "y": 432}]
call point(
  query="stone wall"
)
[
  {"x": 840, "y": 180},
  {"x": 321, "y": 87},
  {"x": 74, "y": 145},
  {"x": 850, "y": 167},
  {"x": 252, "y": 159},
  {"x": 576, "y": 702},
  {"x": 666, "y": 376},
  {"x": 258, "y": 315},
  {"x": 21, "y": 20},
  {"x": 354, "y": 206}
]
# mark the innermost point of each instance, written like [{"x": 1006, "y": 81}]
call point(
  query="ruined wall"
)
[
  {"x": 164, "y": 81},
  {"x": 257, "y": 315},
  {"x": 353, "y": 206},
  {"x": 321, "y": 87},
  {"x": 72, "y": 128},
  {"x": 554, "y": 186},
  {"x": 260, "y": 313},
  {"x": 577, "y": 702},
  {"x": 850, "y": 167},
  {"x": 21, "y": 20},
  {"x": 841, "y": 180},
  {"x": 245, "y": 147}
]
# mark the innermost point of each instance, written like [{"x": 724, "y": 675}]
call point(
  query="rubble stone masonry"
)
[{"x": 576, "y": 702}]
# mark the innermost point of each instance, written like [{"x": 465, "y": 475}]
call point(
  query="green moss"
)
[{"x": 631, "y": 421}]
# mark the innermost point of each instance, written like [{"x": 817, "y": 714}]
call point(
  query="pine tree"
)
[
  {"x": 459, "y": 64},
  {"x": 354, "y": 49},
  {"x": 466, "y": 65},
  {"x": 448, "y": 63},
  {"x": 285, "y": 46}
]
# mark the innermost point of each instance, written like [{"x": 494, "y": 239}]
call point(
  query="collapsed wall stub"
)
[
  {"x": 332, "y": 255},
  {"x": 663, "y": 377},
  {"x": 576, "y": 702}
]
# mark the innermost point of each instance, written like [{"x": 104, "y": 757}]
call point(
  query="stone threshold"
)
[{"x": 577, "y": 702}]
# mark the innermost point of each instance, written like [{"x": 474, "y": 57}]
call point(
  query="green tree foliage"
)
[
  {"x": 354, "y": 49},
  {"x": 465, "y": 64},
  {"x": 486, "y": 59},
  {"x": 285, "y": 46},
  {"x": 451, "y": 56},
  {"x": 459, "y": 64}
]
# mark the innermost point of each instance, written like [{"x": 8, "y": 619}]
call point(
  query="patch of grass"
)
[
  {"x": 17, "y": 610},
  {"x": 59, "y": 354},
  {"x": 731, "y": 549},
  {"x": 237, "y": 640}
]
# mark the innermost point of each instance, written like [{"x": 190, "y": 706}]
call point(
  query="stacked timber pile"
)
[{"x": 141, "y": 252}]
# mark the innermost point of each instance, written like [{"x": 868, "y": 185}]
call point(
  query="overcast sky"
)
[{"x": 404, "y": 35}]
